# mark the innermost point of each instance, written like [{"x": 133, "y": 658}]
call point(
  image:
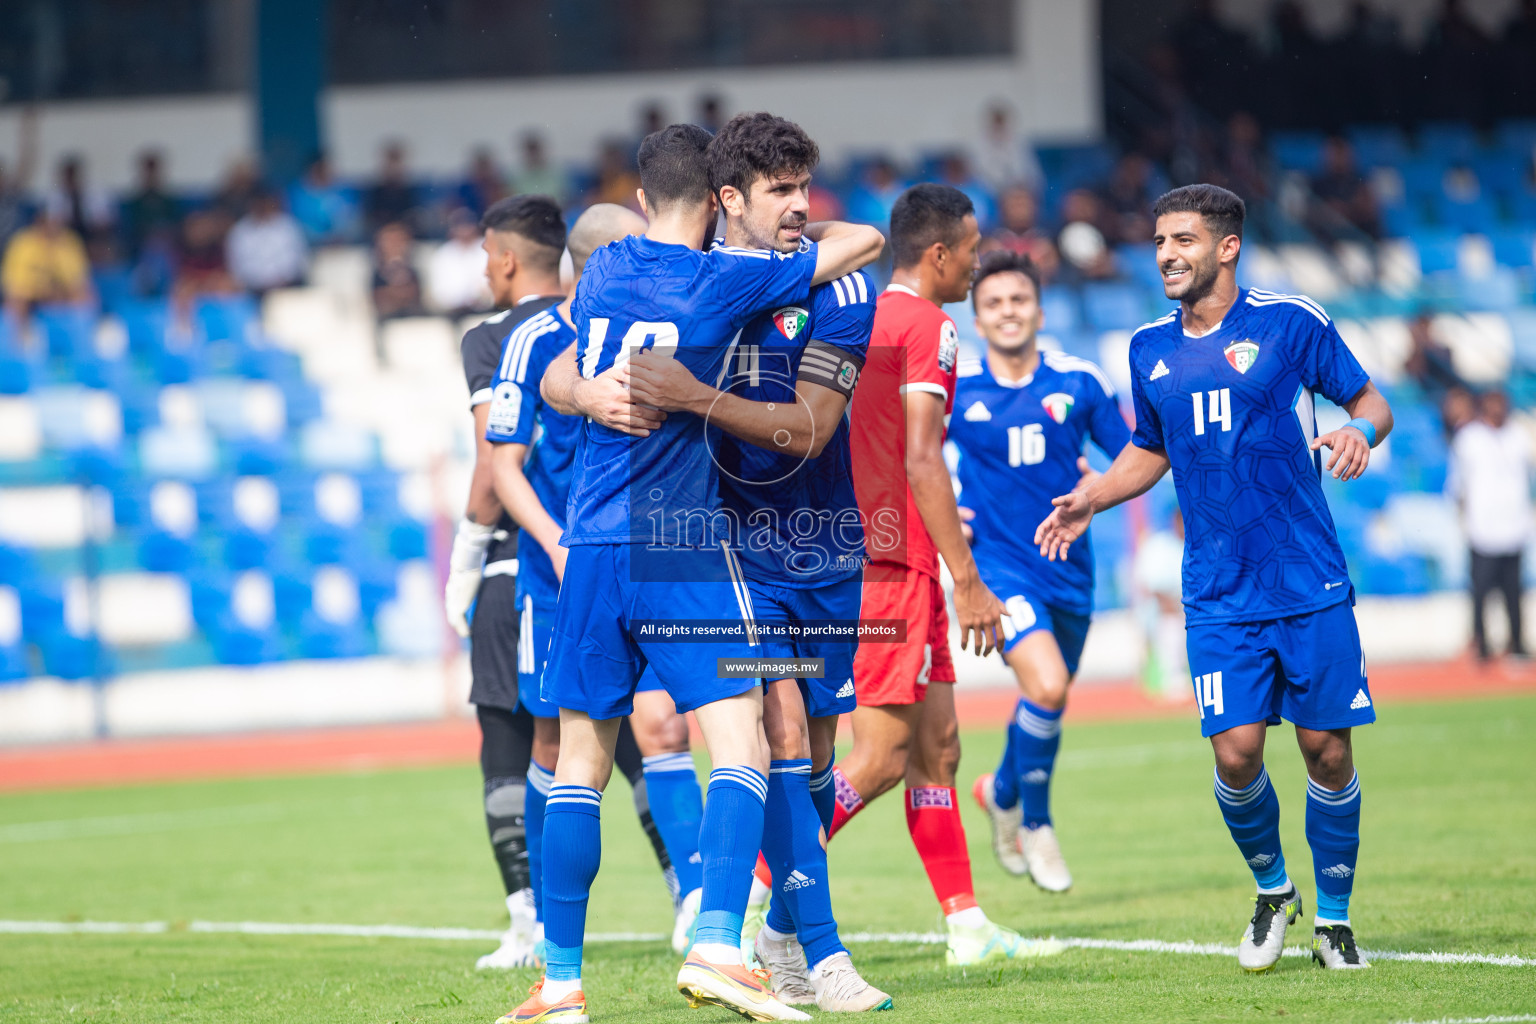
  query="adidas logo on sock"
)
[
  {"x": 846, "y": 690},
  {"x": 1160, "y": 370},
  {"x": 797, "y": 880},
  {"x": 1360, "y": 701},
  {"x": 1037, "y": 776},
  {"x": 1261, "y": 860},
  {"x": 1339, "y": 871}
]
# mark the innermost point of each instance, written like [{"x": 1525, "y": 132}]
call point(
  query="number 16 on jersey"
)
[{"x": 1220, "y": 409}]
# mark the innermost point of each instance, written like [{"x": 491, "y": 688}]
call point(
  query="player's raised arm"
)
[
  {"x": 978, "y": 610},
  {"x": 842, "y": 248},
  {"x": 605, "y": 399},
  {"x": 1370, "y": 423},
  {"x": 1133, "y": 472}
]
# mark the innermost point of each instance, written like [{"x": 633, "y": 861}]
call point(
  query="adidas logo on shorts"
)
[
  {"x": 1360, "y": 701},
  {"x": 1339, "y": 871},
  {"x": 797, "y": 880},
  {"x": 846, "y": 690}
]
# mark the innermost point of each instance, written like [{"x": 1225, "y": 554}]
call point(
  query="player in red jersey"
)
[{"x": 904, "y": 728}]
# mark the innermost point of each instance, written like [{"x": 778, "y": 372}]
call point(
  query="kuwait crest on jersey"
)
[
  {"x": 1242, "y": 355},
  {"x": 790, "y": 321},
  {"x": 1058, "y": 405}
]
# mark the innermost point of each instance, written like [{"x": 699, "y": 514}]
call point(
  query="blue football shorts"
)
[
  {"x": 772, "y": 603},
  {"x": 1028, "y": 614},
  {"x": 536, "y": 623},
  {"x": 1307, "y": 669}
]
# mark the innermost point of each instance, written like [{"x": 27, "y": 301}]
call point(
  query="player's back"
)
[
  {"x": 1233, "y": 410},
  {"x": 912, "y": 348},
  {"x": 799, "y": 515},
  {"x": 637, "y": 294},
  {"x": 1019, "y": 442}
]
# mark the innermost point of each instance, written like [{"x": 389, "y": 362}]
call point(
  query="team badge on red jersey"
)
[
  {"x": 790, "y": 321},
  {"x": 949, "y": 346},
  {"x": 1242, "y": 355}
]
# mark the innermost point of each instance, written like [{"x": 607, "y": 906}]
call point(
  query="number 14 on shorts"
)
[{"x": 1208, "y": 693}]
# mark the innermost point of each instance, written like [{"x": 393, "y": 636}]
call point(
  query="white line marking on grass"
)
[
  {"x": 400, "y": 931},
  {"x": 1474, "y": 1020}
]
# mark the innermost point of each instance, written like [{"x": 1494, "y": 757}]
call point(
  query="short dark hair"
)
[
  {"x": 536, "y": 218},
  {"x": 925, "y": 214},
  {"x": 752, "y": 146},
  {"x": 673, "y": 168},
  {"x": 1002, "y": 261},
  {"x": 1222, "y": 211}
]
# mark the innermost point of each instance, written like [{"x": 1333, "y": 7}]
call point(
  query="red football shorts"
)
[{"x": 899, "y": 673}]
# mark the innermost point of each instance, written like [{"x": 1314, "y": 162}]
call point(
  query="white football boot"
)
[
  {"x": 687, "y": 916},
  {"x": 785, "y": 960},
  {"x": 840, "y": 989},
  {"x": 1005, "y": 826},
  {"x": 1264, "y": 938},
  {"x": 520, "y": 945},
  {"x": 1042, "y": 853},
  {"x": 1333, "y": 946}
]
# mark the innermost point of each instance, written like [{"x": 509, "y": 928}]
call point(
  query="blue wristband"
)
[{"x": 1365, "y": 427}]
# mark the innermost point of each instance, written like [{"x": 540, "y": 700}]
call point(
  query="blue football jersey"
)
[
  {"x": 635, "y": 294},
  {"x": 519, "y": 415},
  {"x": 797, "y": 519},
  {"x": 1233, "y": 410},
  {"x": 1018, "y": 444}
]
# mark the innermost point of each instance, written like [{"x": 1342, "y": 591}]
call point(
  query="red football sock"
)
[
  {"x": 761, "y": 871},
  {"x": 847, "y": 802},
  {"x": 933, "y": 818}
]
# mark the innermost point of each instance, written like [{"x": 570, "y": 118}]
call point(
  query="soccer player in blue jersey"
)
[
  {"x": 1022, "y": 417},
  {"x": 648, "y": 556},
  {"x": 532, "y": 451},
  {"x": 786, "y": 478},
  {"x": 1223, "y": 391}
]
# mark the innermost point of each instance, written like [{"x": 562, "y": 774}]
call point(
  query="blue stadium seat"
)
[
  {"x": 69, "y": 330},
  {"x": 225, "y": 317},
  {"x": 1378, "y": 145},
  {"x": 1514, "y": 246},
  {"x": 1522, "y": 329},
  {"x": 1437, "y": 250},
  {"x": 15, "y": 375},
  {"x": 1114, "y": 306},
  {"x": 1499, "y": 172},
  {"x": 1061, "y": 311},
  {"x": 1517, "y": 136},
  {"x": 71, "y": 657},
  {"x": 1298, "y": 151},
  {"x": 408, "y": 539},
  {"x": 163, "y": 551},
  {"x": 14, "y": 665},
  {"x": 296, "y": 493},
  {"x": 1493, "y": 292},
  {"x": 1450, "y": 141},
  {"x": 237, "y": 644},
  {"x": 146, "y": 321},
  {"x": 1423, "y": 177},
  {"x": 1477, "y": 216}
]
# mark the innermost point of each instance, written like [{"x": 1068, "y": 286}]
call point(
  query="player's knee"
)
[
  {"x": 1329, "y": 761},
  {"x": 1053, "y": 693},
  {"x": 1238, "y": 764},
  {"x": 661, "y": 733}
]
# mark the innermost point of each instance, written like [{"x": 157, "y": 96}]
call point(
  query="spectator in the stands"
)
[
  {"x": 653, "y": 118},
  {"x": 14, "y": 180},
  {"x": 456, "y": 271},
  {"x": 711, "y": 113},
  {"x": 392, "y": 199},
  {"x": 872, "y": 200},
  {"x": 86, "y": 211},
  {"x": 1020, "y": 231},
  {"x": 241, "y": 183},
  {"x": 201, "y": 267},
  {"x": 484, "y": 184},
  {"x": 1004, "y": 159},
  {"x": 266, "y": 248},
  {"x": 1134, "y": 186},
  {"x": 1345, "y": 203},
  {"x": 326, "y": 211},
  {"x": 616, "y": 177},
  {"x": 1490, "y": 479},
  {"x": 44, "y": 263},
  {"x": 955, "y": 171},
  {"x": 151, "y": 213},
  {"x": 396, "y": 285},
  {"x": 1457, "y": 409},
  {"x": 1429, "y": 363},
  {"x": 1085, "y": 255},
  {"x": 538, "y": 175}
]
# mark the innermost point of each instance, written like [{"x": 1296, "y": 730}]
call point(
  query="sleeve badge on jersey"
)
[
  {"x": 949, "y": 346},
  {"x": 790, "y": 321},
  {"x": 1058, "y": 405},
  {"x": 1242, "y": 355},
  {"x": 506, "y": 406}
]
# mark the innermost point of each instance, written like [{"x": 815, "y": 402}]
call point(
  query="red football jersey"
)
[{"x": 913, "y": 347}]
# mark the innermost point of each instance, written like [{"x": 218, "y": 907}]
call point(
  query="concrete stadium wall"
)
[{"x": 1052, "y": 83}]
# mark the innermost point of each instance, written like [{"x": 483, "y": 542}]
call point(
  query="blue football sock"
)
[
  {"x": 539, "y": 781},
  {"x": 729, "y": 842},
  {"x": 1005, "y": 781},
  {"x": 573, "y": 838},
  {"x": 1040, "y": 738},
  {"x": 824, "y": 795},
  {"x": 1333, "y": 832},
  {"x": 677, "y": 807},
  {"x": 802, "y": 902},
  {"x": 1252, "y": 815}
]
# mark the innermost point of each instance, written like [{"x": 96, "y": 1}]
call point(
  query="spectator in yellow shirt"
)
[{"x": 44, "y": 263}]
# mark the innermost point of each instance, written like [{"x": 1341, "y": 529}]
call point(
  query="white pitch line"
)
[
  {"x": 397, "y": 931},
  {"x": 1474, "y": 1020}
]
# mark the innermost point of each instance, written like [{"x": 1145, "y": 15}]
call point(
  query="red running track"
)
[{"x": 456, "y": 741}]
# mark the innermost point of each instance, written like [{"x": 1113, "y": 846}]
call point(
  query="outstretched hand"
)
[
  {"x": 1067, "y": 522},
  {"x": 1351, "y": 452}
]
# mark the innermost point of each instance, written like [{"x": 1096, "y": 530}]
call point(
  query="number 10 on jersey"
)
[{"x": 1219, "y": 410}]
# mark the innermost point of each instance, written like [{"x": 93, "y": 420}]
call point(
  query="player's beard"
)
[
  {"x": 1201, "y": 279},
  {"x": 758, "y": 238}
]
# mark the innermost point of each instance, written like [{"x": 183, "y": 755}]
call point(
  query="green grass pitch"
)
[{"x": 1448, "y": 864}]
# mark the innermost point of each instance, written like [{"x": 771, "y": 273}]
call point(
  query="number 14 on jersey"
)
[{"x": 1219, "y": 409}]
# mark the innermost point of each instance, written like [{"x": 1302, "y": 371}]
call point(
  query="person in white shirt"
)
[
  {"x": 266, "y": 248},
  {"x": 1490, "y": 479},
  {"x": 456, "y": 270},
  {"x": 1159, "y": 574}
]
